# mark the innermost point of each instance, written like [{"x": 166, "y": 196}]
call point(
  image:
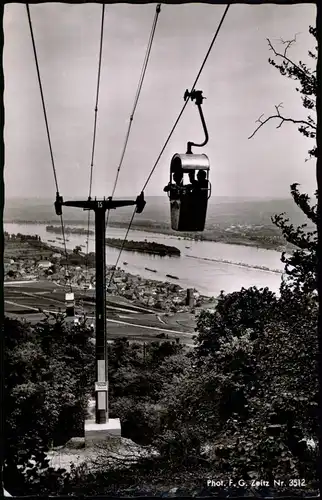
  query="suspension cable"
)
[
  {"x": 186, "y": 102},
  {"x": 138, "y": 92},
  {"x": 136, "y": 100},
  {"x": 94, "y": 131},
  {"x": 171, "y": 132},
  {"x": 137, "y": 96},
  {"x": 48, "y": 133}
]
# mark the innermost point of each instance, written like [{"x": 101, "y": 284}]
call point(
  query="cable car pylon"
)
[{"x": 100, "y": 207}]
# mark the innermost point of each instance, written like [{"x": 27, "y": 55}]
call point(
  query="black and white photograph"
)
[{"x": 160, "y": 250}]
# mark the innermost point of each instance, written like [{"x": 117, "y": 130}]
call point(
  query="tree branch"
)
[
  {"x": 280, "y": 117},
  {"x": 284, "y": 56}
]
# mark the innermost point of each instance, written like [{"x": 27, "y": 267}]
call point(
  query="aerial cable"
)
[
  {"x": 172, "y": 130},
  {"x": 94, "y": 131},
  {"x": 47, "y": 130},
  {"x": 136, "y": 100},
  {"x": 138, "y": 92},
  {"x": 187, "y": 100},
  {"x": 121, "y": 249}
]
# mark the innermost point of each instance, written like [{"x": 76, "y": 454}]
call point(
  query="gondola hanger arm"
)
[{"x": 198, "y": 97}]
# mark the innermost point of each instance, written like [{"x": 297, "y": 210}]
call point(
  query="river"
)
[{"x": 205, "y": 265}]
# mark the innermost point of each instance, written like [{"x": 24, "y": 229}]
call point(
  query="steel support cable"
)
[
  {"x": 136, "y": 100},
  {"x": 137, "y": 96},
  {"x": 94, "y": 131},
  {"x": 138, "y": 92},
  {"x": 186, "y": 102},
  {"x": 121, "y": 249},
  {"x": 47, "y": 130},
  {"x": 171, "y": 132}
]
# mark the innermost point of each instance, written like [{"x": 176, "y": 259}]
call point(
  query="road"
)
[{"x": 24, "y": 299}]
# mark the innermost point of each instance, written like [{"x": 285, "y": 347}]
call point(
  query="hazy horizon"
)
[
  {"x": 213, "y": 198},
  {"x": 237, "y": 81},
  {"x": 221, "y": 210}
]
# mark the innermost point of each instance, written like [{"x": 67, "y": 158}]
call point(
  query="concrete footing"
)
[{"x": 97, "y": 433}]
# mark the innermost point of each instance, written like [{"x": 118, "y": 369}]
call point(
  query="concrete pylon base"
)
[{"x": 97, "y": 433}]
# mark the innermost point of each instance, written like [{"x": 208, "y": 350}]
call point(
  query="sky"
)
[{"x": 238, "y": 82}]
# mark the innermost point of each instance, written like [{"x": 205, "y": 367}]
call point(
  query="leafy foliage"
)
[
  {"x": 137, "y": 375},
  {"x": 235, "y": 314},
  {"x": 306, "y": 77},
  {"x": 244, "y": 408},
  {"x": 48, "y": 375},
  {"x": 300, "y": 267},
  {"x": 252, "y": 400}
]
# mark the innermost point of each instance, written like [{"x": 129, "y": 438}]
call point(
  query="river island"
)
[
  {"x": 69, "y": 230},
  {"x": 144, "y": 247}
]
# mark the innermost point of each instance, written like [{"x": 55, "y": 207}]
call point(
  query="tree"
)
[
  {"x": 252, "y": 401},
  {"x": 137, "y": 376},
  {"x": 301, "y": 266},
  {"x": 49, "y": 371},
  {"x": 235, "y": 314}
]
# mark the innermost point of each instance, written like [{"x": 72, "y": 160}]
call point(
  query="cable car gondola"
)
[
  {"x": 70, "y": 304},
  {"x": 189, "y": 192}
]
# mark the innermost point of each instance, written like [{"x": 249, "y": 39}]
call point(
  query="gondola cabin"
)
[
  {"x": 70, "y": 304},
  {"x": 189, "y": 190}
]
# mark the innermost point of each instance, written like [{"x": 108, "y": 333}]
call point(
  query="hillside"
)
[{"x": 222, "y": 212}]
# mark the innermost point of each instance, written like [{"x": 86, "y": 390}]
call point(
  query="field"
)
[
  {"x": 24, "y": 300},
  {"x": 26, "y": 250}
]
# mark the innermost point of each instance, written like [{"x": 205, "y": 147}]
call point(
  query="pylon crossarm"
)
[{"x": 105, "y": 204}]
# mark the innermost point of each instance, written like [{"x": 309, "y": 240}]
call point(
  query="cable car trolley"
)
[{"x": 187, "y": 190}]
